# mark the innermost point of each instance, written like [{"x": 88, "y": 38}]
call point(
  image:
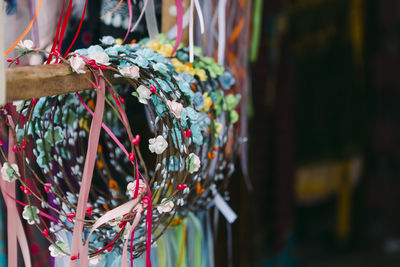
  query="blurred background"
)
[{"x": 324, "y": 137}]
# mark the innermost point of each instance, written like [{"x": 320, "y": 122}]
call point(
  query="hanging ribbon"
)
[
  {"x": 179, "y": 24},
  {"x": 256, "y": 34},
  {"x": 130, "y": 20},
  {"x": 26, "y": 31},
  {"x": 112, "y": 11},
  {"x": 15, "y": 229},
  {"x": 151, "y": 20},
  {"x": 78, "y": 30},
  {"x": 2, "y": 66},
  {"x": 87, "y": 175},
  {"x": 108, "y": 216},
  {"x": 221, "y": 31},
  {"x": 182, "y": 20},
  {"x": 191, "y": 10}
]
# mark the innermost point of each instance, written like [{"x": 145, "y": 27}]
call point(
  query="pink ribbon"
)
[
  {"x": 179, "y": 24},
  {"x": 130, "y": 20},
  {"x": 15, "y": 229},
  {"x": 87, "y": 175},
  {"x": 108, "y": 216}
]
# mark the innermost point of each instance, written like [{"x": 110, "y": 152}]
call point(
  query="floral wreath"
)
[{"x": 86, "y": 166}]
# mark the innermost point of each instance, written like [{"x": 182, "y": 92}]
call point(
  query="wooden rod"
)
[{"x": 46, "y": 80}]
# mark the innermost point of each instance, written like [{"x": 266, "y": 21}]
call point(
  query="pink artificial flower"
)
[
  {"x": 130, "y": 72},
  {"x": 77, "y": 64},
  {"x": 175, "y": 107}
]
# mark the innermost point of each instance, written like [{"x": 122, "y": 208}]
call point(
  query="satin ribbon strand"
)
[{"x": 87, "y": 173}]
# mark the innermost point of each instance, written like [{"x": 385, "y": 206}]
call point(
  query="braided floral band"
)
[{"x": 90, "y": 168}]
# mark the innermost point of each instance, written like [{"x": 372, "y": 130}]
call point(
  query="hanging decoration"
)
[{"x": 93, "y": 179}]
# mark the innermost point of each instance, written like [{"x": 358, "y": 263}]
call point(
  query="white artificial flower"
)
[
  {"x": 26, "y": 44},
  {"x": 107, "y": 40},
  {"x": 101, "y": 58},
  {"x": 9, "y": 172},
  {"x": 130, "y": 72},
  {"x": 165, "y": 207},
  {"x": 175, "y": 107},
  {"x": 144, "y": 94},
  {"x": 158, "y": 145},
  {"x": 77, "y": 64},
  {"x": 94, "y": 261},
  {"x": 195, "y": 162}
]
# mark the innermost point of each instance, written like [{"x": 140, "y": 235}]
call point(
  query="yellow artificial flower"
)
[
  {"x": 166, "y": 50},
  {"x": 155, "y": 45},
  {"x": 118, "y": 41},
  {"x": 207, "y": 102},
  {"x": 218, "y": 128},
  {"x": 188, "y": 69},
  {"x": 201, "y": 74}
]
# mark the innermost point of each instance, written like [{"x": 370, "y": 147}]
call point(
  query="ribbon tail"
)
[
  {"x": 191, "y": 25},
  {"x": 179, "y": 25},
  {"x": 87, "y": 174},
  {"x": 221, "y": 31},
  {"x": 151, "y": 20}
]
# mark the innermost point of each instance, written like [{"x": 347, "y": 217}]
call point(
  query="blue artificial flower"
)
[
  {"x": 190, "y": 114},
  {"x": 82, "y": 52},
  {"x": 173, "y": 164},
  {"x": 226, "y": 80},
  {"x": 203, "y": 121},
  {"x": 182, "y": 56},
  {"x": 159, "y": 105},
  {"x": 94, "y": 49},
  {"x": 141, "y": 61},
  {"x": 185, "y": 89},
  {"x": 161, "y": 68},
  {"x": 198, "y": 101},
  {"x": 176, "y": 136},
  {"x": 163, "y": 84},
  {"x": 146, "y": 52},
  {"x": 187, "y": 77},
  {"x": 196, "y": 134},
  {"x": 107, "y": 40},
  {"x": 111, "y": 51}
]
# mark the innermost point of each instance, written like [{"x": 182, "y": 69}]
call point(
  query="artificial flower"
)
[
  {"x": 100, "y": 57},
  {"x": 9, "y": 172},
  {"x": 158, "y": 145},
  {"x": 31, "y": 214},
  {"x": 166, "y": 50},
  {"x": 131, "y": 187},
  {"x": 161, "y": 68},
  {"x": 77, "y": 64},
  {"x": 155, "y": 45},
  {"x": 226, "y": 80},
  {"x": 207, "y": 102},
  {"x": 165, "y": 206},
  {"x": 144, "y": 94},
  {"x": 59, "y": 249},
  {"x": 201, "y": 74},
  {"x": 194, "y": 163},
  {"x": 198, "y": 101},
  {"x": 130, "y": 72},
  {"x": 26, "y": 45},
  {"x": 175, "y": 107},
  {"x": 107, "y": 40},
  {"x": 94, "y": 261}
]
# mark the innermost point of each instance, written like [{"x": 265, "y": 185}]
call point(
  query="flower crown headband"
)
[{"x": 81, "y": 156}]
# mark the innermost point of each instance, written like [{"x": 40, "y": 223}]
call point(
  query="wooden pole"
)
[{"x": 46, "y": 80}]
